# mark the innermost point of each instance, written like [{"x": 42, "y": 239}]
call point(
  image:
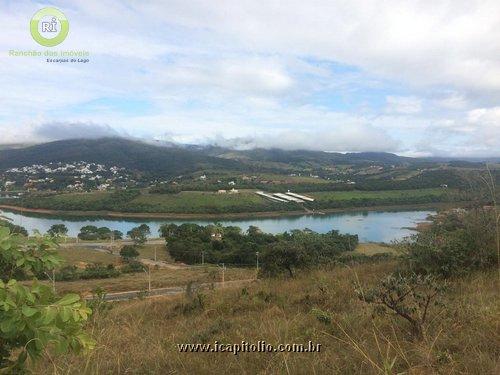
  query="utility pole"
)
[
  {"x": 155, "y": 253},
  {"x": 257, "y": 275},
  {"x": 223, "y": 271},
  {"x": 203, "y": 257},
  {"x": 149, "y": 277}
]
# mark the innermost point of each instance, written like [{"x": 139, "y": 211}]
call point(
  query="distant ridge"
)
[
  {"x": 168, "y": 159},
  {"x": 115, "y": 151}
]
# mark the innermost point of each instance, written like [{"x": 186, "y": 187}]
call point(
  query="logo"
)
[{"x": 49, "y": 27}]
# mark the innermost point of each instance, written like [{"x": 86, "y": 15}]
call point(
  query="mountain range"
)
[{"x": 172, "y": 160}]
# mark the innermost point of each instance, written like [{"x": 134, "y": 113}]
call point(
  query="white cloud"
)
[
  {"x": 453, "y": 101},
  {"x": 413, "y": 77},
  {"x": 402, "y": 104}
]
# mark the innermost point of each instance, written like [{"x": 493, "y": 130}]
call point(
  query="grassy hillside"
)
[
  {"x": 167, "y": 161},
  {"x": 141, "y": 337}
]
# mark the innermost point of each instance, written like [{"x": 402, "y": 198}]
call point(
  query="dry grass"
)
[
  {"x": 140, "y": 337},
  {"x": 78, "y": 256},
  {"x": 371, "y": 248},
  {"x": 148, "y": 252},
  {"x": 160, "y": 278}
]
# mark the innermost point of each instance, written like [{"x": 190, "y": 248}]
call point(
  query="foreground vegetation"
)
[
  {"x": 319, "y": 305},
  {"x": 433, "y": 309},
  {"x": 429, "y": 306}
]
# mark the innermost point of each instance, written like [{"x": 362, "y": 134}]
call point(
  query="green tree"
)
[
  {"x": 139, "y": 235},
  {"x": 58, "y": 230},
  {"x": 117, "y": 235},
  {"x": 455, "y": 243},
  {"x": 145, "y": 229},
  {"x": 32, "y": 318},
  {"x": 129, "y": 252},
  {"x": 88, "y": 232},
  {"x": 282, "y": 257}
]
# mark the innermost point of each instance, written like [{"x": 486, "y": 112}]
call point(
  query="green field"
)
[
  {"x": 325, "y": 196},
  {"x": 197, "y": 202},
  {"x": 81, "y": 256}
]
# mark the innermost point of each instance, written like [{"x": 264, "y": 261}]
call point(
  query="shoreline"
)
[{"x": 237, "y": 215}]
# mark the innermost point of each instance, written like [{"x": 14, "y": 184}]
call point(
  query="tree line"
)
[{"x": 284, "y": 252}]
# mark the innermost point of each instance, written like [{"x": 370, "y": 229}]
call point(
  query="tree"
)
[
  {"x": 129, "y": 252},
  {"x": 139, "y": 234},
  {"x": 32, "y": 318},
  {"x": 168, "y": 230},
  {"x": 409, "y": 297},
  {"x": 283, "y": 256},
  {"x": 58, "y": 230},
  {"x": 16, "y": 229},
  {"x": 104, "y": 233},
  {"x": 455, "y": 243},
  {"x": 88, "y": 232},
  {"x": 145, "y": 229},
  {"x": 117, "y": 235}
]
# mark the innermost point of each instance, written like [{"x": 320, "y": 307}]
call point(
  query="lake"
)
[{"x": 370, "y": 226}]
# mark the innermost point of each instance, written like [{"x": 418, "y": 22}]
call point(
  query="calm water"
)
[{"x": 374, "y": 226}]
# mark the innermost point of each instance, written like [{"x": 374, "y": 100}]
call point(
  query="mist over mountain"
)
[{"x": 171, "y": 159}]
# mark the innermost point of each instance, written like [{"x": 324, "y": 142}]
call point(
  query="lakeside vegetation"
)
[
  {"x": 212, "y": 203},
  {"x": 229, "y": 245}
]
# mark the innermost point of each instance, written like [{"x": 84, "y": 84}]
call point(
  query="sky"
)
[{"x": 417, "y": 78}]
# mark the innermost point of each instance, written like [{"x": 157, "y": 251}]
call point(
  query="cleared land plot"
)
[
  {"x": 194, "y": 200},
  {"x": 160, "y": 278},
  {"x": 374, "y": 195},
  {"x": 78, "y": 255},
  {"x": 371, "y": 248}
]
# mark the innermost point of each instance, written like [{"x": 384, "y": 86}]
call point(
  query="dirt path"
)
[{"x": 171, "y": 291}]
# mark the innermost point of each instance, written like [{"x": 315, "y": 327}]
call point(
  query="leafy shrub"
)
[
  {"x": 129, "y": 252},
  {"x": 32, "y": 318},
  {"x": 455, "y": 243},
  {"x": 99, "y": 271},
  {"x": 133, "y": 266}
]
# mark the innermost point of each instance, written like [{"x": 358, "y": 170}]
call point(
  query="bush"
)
[
  {"x": 129, "y": 252},
  {"x": 133, "y": 266},
  {"x": 98, "y": 271},
  {"x": 34, "y": 318},
  {"x": 409, "y": 297},
  {"x": 455, "y": 243}
]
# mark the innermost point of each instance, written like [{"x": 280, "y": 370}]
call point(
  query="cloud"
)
[
  {"x": 449, "y": 42},
  {"x": 402, "y": 104},
  {"x": 412, "y": 77},
  {"x": 62, "y": 130},
  {"x": 361, "y": 138}
]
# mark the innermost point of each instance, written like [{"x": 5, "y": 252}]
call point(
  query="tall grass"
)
[{"x": 140, "y": 337}]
